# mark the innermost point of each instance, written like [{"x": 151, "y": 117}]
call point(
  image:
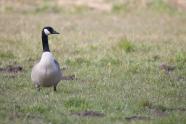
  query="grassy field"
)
[{"x": 129, "y": 63}]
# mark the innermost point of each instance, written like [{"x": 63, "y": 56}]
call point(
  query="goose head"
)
[
  {"x": 49, "y": 30},
  {"x": 45, "y": 32}
]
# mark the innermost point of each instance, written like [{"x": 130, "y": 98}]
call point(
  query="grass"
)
[
  {"x": 118, "y": 8},
  {"x": 115, "y": 57},
  {"x": 162, "y": 6}
]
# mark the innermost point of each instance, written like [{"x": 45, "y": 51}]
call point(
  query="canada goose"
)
[{"x": 47, "y": 71}]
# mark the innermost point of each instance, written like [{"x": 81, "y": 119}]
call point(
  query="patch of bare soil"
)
[
  {"x": 163, "y": 108},
  {"x": 161, "y": 111},
  {"x": 155, "y": 111},
  {"x": 11, "y": 69},
  {"x": 135, "y": 118},
  {"x": 88, "y": 114},
  {"x": 14, "y": 115},
  {"x": 167, "y": 68}
]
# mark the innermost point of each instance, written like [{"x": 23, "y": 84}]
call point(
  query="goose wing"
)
[{"x": 58, "y": 66}]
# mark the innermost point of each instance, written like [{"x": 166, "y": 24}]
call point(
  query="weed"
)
[
  {"x": 126, "y": 45},
  {"x": 120, "y": 8}
]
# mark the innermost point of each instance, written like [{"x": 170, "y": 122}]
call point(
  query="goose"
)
[{"x": 46, "y": 72}]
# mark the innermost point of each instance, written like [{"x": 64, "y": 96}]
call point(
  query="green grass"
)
[
  {"x": 76, "y": 104},
  {"x": 116, "y": 59}
]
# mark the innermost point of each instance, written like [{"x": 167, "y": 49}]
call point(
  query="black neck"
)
[{"x": 45, "y": 42}]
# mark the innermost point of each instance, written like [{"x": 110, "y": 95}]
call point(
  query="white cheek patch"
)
[{"x": 47, "y": 32}]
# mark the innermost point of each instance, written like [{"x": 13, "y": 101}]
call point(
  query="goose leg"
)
[
  {"x": 55, "y": 89},
  {"x": 37, "y": 87}
]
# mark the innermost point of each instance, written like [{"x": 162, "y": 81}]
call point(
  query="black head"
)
[{"x": 49, "y": 30}]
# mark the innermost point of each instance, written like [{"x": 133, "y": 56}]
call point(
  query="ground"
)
[{"x": 129, "y": 63}]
